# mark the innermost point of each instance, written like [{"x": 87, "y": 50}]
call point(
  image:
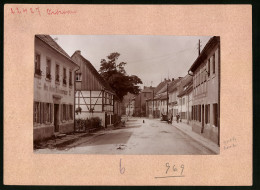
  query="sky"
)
[{"x": 151, "y": 58}]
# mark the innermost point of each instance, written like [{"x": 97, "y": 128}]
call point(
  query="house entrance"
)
[{"x": 56, "y": 117}]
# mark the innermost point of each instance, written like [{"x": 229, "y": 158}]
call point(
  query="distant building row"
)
[{"x": 195, "y": 97}]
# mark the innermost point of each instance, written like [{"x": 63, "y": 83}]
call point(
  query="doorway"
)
[
  {"x": 202, "y": 120},
  {"x": 56, "y": 117}
]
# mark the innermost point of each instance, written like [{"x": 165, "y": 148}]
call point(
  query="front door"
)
[
  {"x": 202, "y": 119},
  {"x": 56, "y": 117}
]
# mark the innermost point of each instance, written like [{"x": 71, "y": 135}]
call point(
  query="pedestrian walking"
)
[{"x": 177, "y": 116}]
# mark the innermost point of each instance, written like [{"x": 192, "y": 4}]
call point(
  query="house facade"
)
[
  {"x": 173, "y": 97},
  {"x": 128, "y": 104},
  {"x": 53, "y": 107},
  {"x": 140, "y": 101},
  {"x": 93, "y": 95},
  {"x": 206, "y": 91},
  {"x": 185, "y": 99}
]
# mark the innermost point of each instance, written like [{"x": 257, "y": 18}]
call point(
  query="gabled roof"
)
[
  {"x": 187, "y": 82},
  {"x": 203, "y": 55},
  {"x": 148, "y": 89},
  {"x": 95, "y": 73},
  {"x": 47, "y": 39},
  {"x": 161, "y": 85},
  {"x": 174, "y": 85}
]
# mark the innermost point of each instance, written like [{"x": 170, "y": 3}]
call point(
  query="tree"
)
[{"x": 117, "y": 77}]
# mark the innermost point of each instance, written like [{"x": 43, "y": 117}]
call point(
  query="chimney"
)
[
  {"x": 172, "y": 79},
  {"x": 78, "y": 51}
]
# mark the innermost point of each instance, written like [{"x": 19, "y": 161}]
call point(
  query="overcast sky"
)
[{"x": 151, "y": 58}]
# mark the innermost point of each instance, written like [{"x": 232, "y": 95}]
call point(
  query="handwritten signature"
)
[
  {"x": 230, "y": 143},
  {"x": 38, "y": 11}
]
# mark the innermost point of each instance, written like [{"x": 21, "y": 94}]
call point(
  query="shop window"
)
[
  {"x": 37, "y": 64},
  {"x": 78, "y": 76},
  {"x": 215, "y": 115},
  {"x": 57, "y": 73},
  {"x": 213, "y": 64},
  {"x": 64, "y": 76},
  {"x": 48, "y": 69}
]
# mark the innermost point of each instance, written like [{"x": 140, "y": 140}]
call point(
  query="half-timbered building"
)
[{"x": 93, "y": 95}]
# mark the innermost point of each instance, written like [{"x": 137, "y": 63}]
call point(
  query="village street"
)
[{"x": 151, "y": 137}]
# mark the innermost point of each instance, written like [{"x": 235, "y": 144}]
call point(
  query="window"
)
[
  {"x": 208, "y": 67},
  {"x": 183, "y": 101},
  {"x": 36, "y": 112},
  {"x": 48, "y": 112},
  {"x": 215, "y": 115},
  {"x": 70, "y": 79},
  {"x": 71, "y": 112},
  {"x": 202, "y": 77},
  {"x": 37, "y": 64},
  {"x": 199, "y": 113},
  {"x": 213, "y": 64},
  {"x": 64, "y": 112},
  {"x": 207, "y": 113},
  {"x": 78, "y": 76},
  {"x": 57, "y": 73},
  {"x": 110, "y": 99},
  {"x": 205, "y": 75},
  {"x": 42, "y": 112},
  {"x": 48, "y": 69},
  {"x": 64, "y": 76}
]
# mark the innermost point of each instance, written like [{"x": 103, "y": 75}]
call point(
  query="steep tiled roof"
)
[
  {"x": 47, "y": 39},
  {"x": 160, "y": 86},
  {"x": 95, "y": 73},
  {"x": 174, "y": 84},
  {"x": 148, "y": 89},
  {"x": 186, "y": 81}
]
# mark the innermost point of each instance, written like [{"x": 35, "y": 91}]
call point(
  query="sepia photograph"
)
[{"x": 126, "y": 94}]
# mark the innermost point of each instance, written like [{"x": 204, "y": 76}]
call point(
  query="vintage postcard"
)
[{"x": 133, "y": 94}]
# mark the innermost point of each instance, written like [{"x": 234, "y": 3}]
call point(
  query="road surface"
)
[{"x": 150, "y": 138}]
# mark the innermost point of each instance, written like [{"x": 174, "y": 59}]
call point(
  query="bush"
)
[{"x": 84, "y": 124}]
